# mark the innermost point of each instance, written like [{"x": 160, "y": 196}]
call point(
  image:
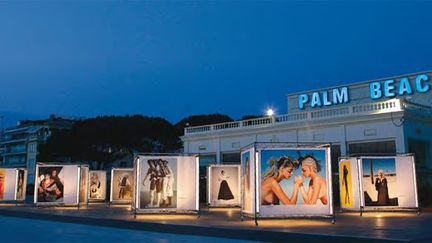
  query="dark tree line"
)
[{"x": 108, "y": 138}]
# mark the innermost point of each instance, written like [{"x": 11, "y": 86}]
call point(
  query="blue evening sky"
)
[
  {"x": 387, "y": 165},
  {"x": 174, "y": 59}
]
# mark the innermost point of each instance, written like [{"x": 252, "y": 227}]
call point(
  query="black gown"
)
[
  {"x": 383, "y": 194},
  {"x": 224, "y": 191}
]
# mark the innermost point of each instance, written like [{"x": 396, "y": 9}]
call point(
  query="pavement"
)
[
  {"x": 13, "y": 228},
  {"x": 226, "y": 223}
]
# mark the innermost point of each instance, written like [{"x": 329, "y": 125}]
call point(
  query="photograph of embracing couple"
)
[
  {"x": 293, "y": 177},
  {"x": 50, "y": 184}
]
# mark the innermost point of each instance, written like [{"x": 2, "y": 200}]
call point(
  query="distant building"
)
[{"x": 19, "y": 144}]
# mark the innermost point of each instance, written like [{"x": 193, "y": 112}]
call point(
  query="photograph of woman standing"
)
[
  {"x": 382, "y": 189},
  {"x": 345, "y": 185},
  {"x": 380, "y": 186},
  {"x": 158, "y": 185},
  {"x": 246, "y": 193},
  {"x": 167, "y": 184},
  {"x": 224, "y": 189},
  {"x": 125, "y": 186},
  {"x": 20, "y": 187},
  {"x": 151, "y": 176}
]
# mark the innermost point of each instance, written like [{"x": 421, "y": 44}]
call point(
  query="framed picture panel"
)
[
  {"x": 166, "y": 184},
  {"x": 122, "y": 185},
  {"x": 223, "y": 184}
]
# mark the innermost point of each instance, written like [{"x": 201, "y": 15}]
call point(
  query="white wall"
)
[{"x": 377, "y": 128}]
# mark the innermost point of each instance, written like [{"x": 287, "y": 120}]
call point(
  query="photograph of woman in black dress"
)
[
  {"x": 382, "y": 189},
  {"x": 380, "y": 182},
  {"x": 224, "y": 185},
  {"x": 224, "y": 189}
]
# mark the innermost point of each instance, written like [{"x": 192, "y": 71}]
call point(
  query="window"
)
[
  {"x": 16, "y": 148},
  {"x": 421, "y": 152},
  {"x": 231, "y": 158},
  {"x": 204, "y": 160},
  {"x": 15, "y": 160},
  {"x": 372, "y": 148}
]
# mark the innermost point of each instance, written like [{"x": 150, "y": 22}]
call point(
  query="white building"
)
[
  {"x": 19, "y": 145},
  {"x": 385, "y": 116}
]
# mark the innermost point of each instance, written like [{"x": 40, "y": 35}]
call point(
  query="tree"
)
[
  {"x": 199, "y": 120},
  {"x": 107, "y": 138},
  {"x": 247, "y": 117}
]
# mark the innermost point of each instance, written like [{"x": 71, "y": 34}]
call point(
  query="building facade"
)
[
  {"x": 19, "y": 145},
  {"x": 385, "y": 116}
]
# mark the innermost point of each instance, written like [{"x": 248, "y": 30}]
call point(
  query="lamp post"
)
[{"x": 270, "y": 112}]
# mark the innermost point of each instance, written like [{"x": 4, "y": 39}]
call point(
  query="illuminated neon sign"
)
[
  {"x": 389, "y": 88},
  {"x": 319, "y": 99}
]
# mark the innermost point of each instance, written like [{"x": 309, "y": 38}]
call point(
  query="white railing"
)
[
  {"x": 378, "y": 107},
  {"x": 226, "y": 125},
  {"x": 257, "y": 121},
  {"x": 198, "y": 129},
  {"x": 392, "y": 105}
]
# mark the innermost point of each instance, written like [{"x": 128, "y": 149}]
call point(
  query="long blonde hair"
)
[{"x": 275, "y": 164}]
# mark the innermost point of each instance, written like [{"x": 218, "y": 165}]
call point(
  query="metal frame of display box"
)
[
  {"x": 15, "y": 200},
  {"x": 342, "y": 209},
  {"x": 363, "y": 208},
  {"x": 167, "y": 211},
  {"x": 285, "y": 145},
  {"x": 57, "y": 204},
  {"x": 208, "y": 169}
]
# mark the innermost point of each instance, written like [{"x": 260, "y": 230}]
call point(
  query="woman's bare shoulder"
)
[
  {"x": 270, "y": 181},
  {"x": 320, "y": 180}
]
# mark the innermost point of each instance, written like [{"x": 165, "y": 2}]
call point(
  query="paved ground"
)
[
  {"x": 227, "y": 223},
  {"x": 51, "y": 231}
]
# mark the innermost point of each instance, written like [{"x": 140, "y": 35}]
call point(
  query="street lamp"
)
[{"x": 270, "y": 112}]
